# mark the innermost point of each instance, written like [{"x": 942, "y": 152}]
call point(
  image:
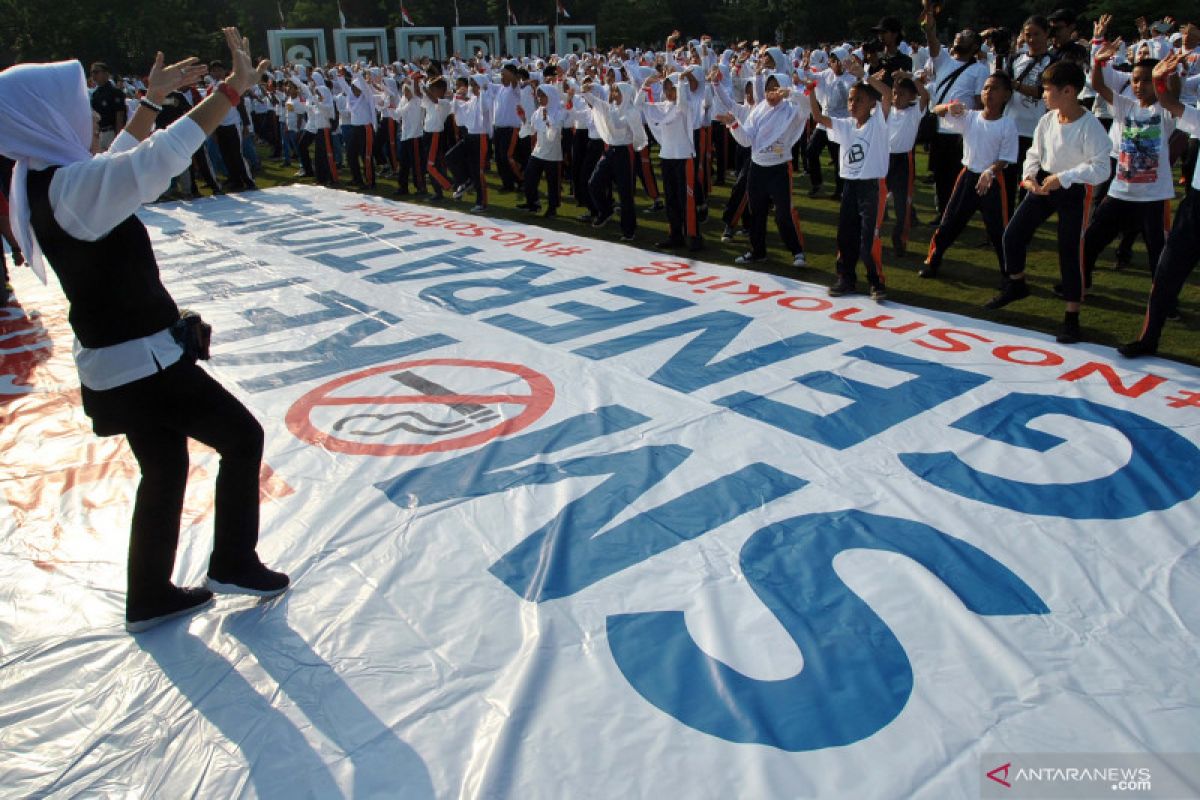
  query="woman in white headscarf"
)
[
  {"x": 545, "y": 125},
  {"x": 78, "y": 212},
  {"x": 619, "y": 125}
]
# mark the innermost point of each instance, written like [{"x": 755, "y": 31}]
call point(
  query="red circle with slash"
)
[{"x": 474, "y": 409}]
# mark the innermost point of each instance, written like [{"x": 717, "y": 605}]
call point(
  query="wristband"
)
[
  {"x": 230, "y": 93},
  {"x": 155, "y": 107},
  {"x": 1160, "y": 86},
  {"x": 733, "y": 126}
]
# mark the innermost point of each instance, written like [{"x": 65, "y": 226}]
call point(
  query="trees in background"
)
[{"x": 127, "y": 32}]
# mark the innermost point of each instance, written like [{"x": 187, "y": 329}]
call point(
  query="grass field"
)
[{"x": 1112, "y": 313}]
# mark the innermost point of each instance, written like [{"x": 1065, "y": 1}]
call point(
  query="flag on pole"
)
[
  {"x": 282, "y": 18},
  {"x": 512, "y": 18},
  {"x": 456, "y": 23},
  {"x": 562, "y": 9},
  {"x": 341, "y": 16},
  {"x": 404, "y": 17}
]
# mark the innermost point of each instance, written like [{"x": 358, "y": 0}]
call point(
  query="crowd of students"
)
[{"x": 1018, "y": 129}]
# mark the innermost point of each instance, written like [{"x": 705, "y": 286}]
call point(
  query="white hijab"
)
[
  {"x": 766, "y": 124},
  {"x": 45, "y": 120}
]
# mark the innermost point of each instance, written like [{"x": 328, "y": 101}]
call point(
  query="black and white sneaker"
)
[
  {"x": 253, "y": 579},
  {"x": 177, "y": 602},
  {"x": 727, "y": 234},
  {"x": 601, "y": 219},
  {"x": 749, "y": 258},
  {"x": 1009, "y": 293}
]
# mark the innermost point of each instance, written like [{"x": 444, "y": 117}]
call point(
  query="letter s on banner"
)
[
  {"x": 856, "y": 676},
  {"x": 1160, "y": 473}
]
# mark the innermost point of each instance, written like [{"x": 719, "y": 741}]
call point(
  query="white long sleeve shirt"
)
[
  {"x": 778, "y": 151},
  {"x": 669, "y": 123},
  {"x": 1077, "y": 152},
  {"x": 89, "y": 199}
]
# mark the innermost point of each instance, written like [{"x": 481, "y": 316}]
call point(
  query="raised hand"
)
[
  {"x": 1108, "y": 50},
  {"x": 243, "y": 73},
  {"x": 1101, "y": 26},
  {"x": 163, "y": 79}
]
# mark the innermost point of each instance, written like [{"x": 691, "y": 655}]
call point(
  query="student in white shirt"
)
[
  {"x": 79, "y": 212},
  {"x": 1182, "y": 249},
  {"x": 468, "y": 158},
  {"x": 544, "y": 124},
  {"x": 1026, "y": 107},
  {"x": 433, "y": 147},
  {"x": 989, "y": 146},
  {"x": 1142, "y": 187},
  {"x": 620, "y": 128},
  {"x": 909, "y": 103},
  {"x": 670, "y": 124},
  {"x": 832, "y": 91},
  {"x": 769, "y": 130},
  {"x": 1068, "y": 158},
  {"x": 863, "y": 167},
  {"x": 411, "y": 116}
]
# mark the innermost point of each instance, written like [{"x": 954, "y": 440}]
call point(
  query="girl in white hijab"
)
[
  {"x": 77, "y": 213},
  {"x": 619, "y": 125},
  {"x": 545, "y": 125}
]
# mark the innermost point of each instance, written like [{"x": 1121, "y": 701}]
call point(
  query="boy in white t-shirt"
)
[
  {"x": 989, "y": 146},
  {"x": 1182, "y": 249},
  {"x": 1142, "y": 187},
  {"x": 863, "y": 167}
]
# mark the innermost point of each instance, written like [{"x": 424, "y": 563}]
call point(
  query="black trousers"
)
[
  {"x": 179, "y": 403},
  {"x": 764, "y": 186},
  {"x": 737, "y": 208},
  {"x": 1012, "y": 173},
  {"x": 433, "y": 156},
  {"x": 616, "y": 167},
  {"x": 818, "y": 142},
  {"x": 1073, "y": 207},
  {"x": 408, "y": 157},
  {"x": 533, "y": 176},
  {"x": 508, "y": 157},
  {"x": 1113, "y": 216},
  {"x": 859, "y": 220},
  {"x": 945, "y": 160},
  {"x": 229, "y": 142},
  {"x": 722, "y": 145},
  {"x": 360, "y": 149},
  {"x": 467, "y": 161},
  {"x": 585, "y": 152},
  {"x": 679, "y": 187},
  {"x": 964, "y": 202},
  {"x": 1178, "y": 259},
  {"x": 646, "y": 174},
  {"x": 702, "y": 145},
  {"x": 901, "y": 173}
]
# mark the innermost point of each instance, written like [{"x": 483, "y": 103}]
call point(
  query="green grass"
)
[{"x": 1111, "y": 315}]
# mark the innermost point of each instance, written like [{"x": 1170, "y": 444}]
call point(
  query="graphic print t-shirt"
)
[
  {"x": 864, "y": 152},
  {"x": 1143, "y": 167}
]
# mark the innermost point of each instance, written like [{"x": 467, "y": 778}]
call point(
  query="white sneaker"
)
[
  {"x": 799, "y": 260},
  {"x": 748, "y": 258}
]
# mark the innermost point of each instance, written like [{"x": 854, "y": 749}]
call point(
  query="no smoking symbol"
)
[{"x": 416, "y": 407}]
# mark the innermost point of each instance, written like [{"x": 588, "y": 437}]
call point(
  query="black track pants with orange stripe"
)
[
  {"x": 1073, "y": 206},
  {"x": 964, "y": 202},
  {"x": 767, "y": 185},
  {"x": 679, "y": 181},
  {"x": 1179, "y": 257},
  {"x": 859, "y": 220},
  {"x": 1114, "y": 216}
]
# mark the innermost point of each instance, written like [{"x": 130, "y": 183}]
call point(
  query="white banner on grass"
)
[{"x": 573, "y": 519}]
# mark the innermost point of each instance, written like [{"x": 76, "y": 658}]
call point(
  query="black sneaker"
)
[
  {"x": 727, "y": 234},
  {"x": 842, "y": 288},
  {"x": 524, "y": 207},
  {"x": 668, "y": 244},
  {"x": 586, "y": 218},
  {"x": 626, "y": 237},
  {"x": 696, "y": 245},
  {"x": 927, "y": 271},
  {"x": 552, "y": 211},
  {"x": 1069, "y": 333},
  {"x": 600, "y": 219},
  {"x": 656, "y": 207},
  {"x": 1138, "y": 348},
  {"x": 814, "y": 190},
  {"x": 253, "y": 579},
  {"x": 1009, "y": 293},
  {"x": 749, "y": 258},
  {"x": 177, "y": 602}
]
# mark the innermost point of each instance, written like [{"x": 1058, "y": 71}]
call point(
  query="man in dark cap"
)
[{"x": 891, "y": 34}]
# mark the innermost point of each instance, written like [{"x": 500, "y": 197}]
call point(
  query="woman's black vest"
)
[{"x": 112, "y": 283}]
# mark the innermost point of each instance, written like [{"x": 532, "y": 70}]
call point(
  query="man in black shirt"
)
[
  {"x": 891, "y": 34},
  {"x": 109, "y": 102}
]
